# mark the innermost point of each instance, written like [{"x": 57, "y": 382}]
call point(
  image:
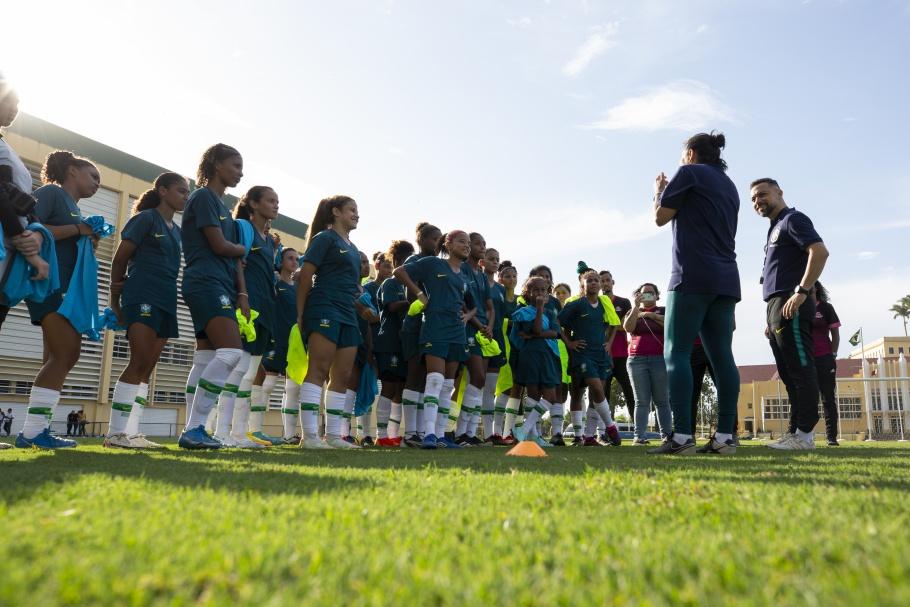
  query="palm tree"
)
[{"x": 902, "y": 309}]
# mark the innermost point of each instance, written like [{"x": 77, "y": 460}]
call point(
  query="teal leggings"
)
[{"x": 690, "y": 315}]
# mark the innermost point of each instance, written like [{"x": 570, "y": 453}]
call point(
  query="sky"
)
[{"x": 541, "y": 125}]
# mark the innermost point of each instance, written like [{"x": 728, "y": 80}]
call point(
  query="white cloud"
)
[
  {"x": 521, "y": 23},
  {"x": 702, "y": 29},
  {"x": 599, "y": 42},
  {"x": 396, "y": 151},
  {"x": 685, "y": 105},
  {"x": 867, "y": 255}
]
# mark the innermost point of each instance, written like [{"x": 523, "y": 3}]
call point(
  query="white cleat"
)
[
  {"x": 5, "y": 446},
  {"x": 120, "y": 440},
  {"x": 140, "y": 442},
  {"x": 245, "y": 443},
  {"x": 792, "y": 442},
  {"x": 227, "y": 442},
  {"x": 313, "y": 443},
  {"x": 336, "y": 442}
]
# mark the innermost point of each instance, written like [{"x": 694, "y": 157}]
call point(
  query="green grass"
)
[{"x": 583, "y": 526}]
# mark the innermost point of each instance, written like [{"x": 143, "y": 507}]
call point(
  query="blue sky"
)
[{"x": 539, "y": 124}]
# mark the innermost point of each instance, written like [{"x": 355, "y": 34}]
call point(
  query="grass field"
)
[{"x": 583, "y": 526}]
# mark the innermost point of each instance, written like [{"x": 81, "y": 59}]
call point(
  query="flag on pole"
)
[{"x": 857, "y": 337}]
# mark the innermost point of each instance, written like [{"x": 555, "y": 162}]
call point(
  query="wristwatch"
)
[{"x": 799, "y": 290}]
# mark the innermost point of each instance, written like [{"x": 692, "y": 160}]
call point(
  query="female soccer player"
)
[
  {"x": 535, "y": 332},
  {"x": 212, "y": 287},
  {"x": 365, "y": 320},
  {"x": 442, "y": 335},
  {"x": 144, "y": 297},
  {"x": 393, "y": 307},
  {"x": 327, "y": 287},
  {"x": 563, "y": 292},
  {"x": 505, "y": 301},
  {"x": 428, "y": 239},
  {"x": 275, "y": 361},
  {"x": 67, "y": 179},
  {"x": 583, "y": 321}
]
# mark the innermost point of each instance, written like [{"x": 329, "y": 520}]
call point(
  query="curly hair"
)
[{"x": 211, "y": 157}]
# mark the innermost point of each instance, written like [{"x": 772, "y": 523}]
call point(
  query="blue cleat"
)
[
  {"x": 198, "y": 438},
  {"x": 45, "y": 440},
  {"x": 543, "y": 443},
  {"x": 447, "y": 442},
  {"x": 519, "y": 433},
  {"x": 429, "y": 442}
]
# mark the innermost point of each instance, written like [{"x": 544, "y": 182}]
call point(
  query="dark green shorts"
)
[
  {"x": 37, "y": 311},
  {"x": 392, "y": 366},
  {"x": 410, "y": 345},
  {"x": 164, "y": 324},
  {"x": 582, "y": 368},
  {"x": 206, "y": 305},
  {"x": 262, "y": 343},
  {"x": 538, "y": 368},
  {"x": 451, "y": 352},
  {"x": 474, "y": 348},
  {"x": 276, "y": 357},
  {"x": 343, "y": 336}
]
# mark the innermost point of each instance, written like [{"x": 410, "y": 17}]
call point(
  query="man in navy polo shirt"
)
[{"x": 794, "y": 259}]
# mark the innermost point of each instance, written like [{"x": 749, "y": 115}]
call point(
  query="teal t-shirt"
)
[
  {"x": 337, "y": 280},
  {"x": 445, "y": 290},
  {"x": 388, "y": 339},
  {"x": 151, "y": 276},
  {"x": 479, "y": 289},
  {"x": 411, "y": 324},
  {"x": 259, "y": 276},
  {"x": 538, "y": 344},
  {"x": 586, "y": 322},
  {"x": 204, "y": 209},
  {"x": 57, "y": 208}
]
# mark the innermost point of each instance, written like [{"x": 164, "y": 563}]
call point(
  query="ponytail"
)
[
  {"x": 150, "y": 199},
  {"x": 324, "y": 217},
  {"x": 58, "y": 163},
  {"x": 707, "y": 147},
  {"x": 244, "y": 209}
]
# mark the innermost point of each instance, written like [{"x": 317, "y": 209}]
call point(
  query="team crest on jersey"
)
[
  {"x": 394, "y": 360},
  {"x": 584, "y": 367},
  {"x": 471, "y": 341},
  {"x": 225, "y": 301},
  {"x": 145, "y": 309},
  {"x": 325, "y": 323},
  {"x": 775, "y": 234}
]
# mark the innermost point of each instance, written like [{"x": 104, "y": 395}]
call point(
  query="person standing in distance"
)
[
  {"x": 702, "y": 203},
  {"x": 794, "y": 259}
]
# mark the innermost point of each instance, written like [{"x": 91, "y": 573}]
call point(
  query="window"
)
[
  {"x": 876, "y": 399},
  {"x": 850, "y": 407},
  {"x": 748, "y": 405},
  {"x": 900, "y": 350},
  {"x": 895, "y": 425},
  {"x": 890, "y": 350},
  {"x": 878, "y": 425},
  {"x": 23, "y": 387},
  {"x": 5, "y": 386},
  {"x": 169, "y": 397},
  {"x": 776, "y": 408},
  {"x": 177, "y": 354},
  {"x": 895, "y": 399},
  {"x": 121, "y": 347}
]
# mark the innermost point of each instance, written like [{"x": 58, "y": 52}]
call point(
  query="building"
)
[
  {"x": 873, "y": 402},
  {"x": 91, "y": 383}
]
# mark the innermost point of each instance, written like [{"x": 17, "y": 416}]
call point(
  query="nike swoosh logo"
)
[
  {"x": 440, "y": 276},
  {"x": 343, "y": 251},
  {"x": 79, "y": 215},
  {"x": 159, "y": 235},
  {"x": 222, "y": 218},
  {"x": 583, "y": 315},
  {"x": 255, "y": 248},
  {"x": 779, "y": 331}
]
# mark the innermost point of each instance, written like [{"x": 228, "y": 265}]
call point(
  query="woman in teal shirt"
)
[
  {"x": 67, "y": 179},
  {"x": 144, "y": 297}
]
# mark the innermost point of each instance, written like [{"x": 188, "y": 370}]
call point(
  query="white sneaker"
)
[
  {"x": 140, "y": 442},
  {"x": 336, "y": 442},
  {"x": 227, "y": 442},
  {"x": 783, "y": 437},
  {"x": 119, "y": 440},
  {"x": 245, "y": 443},
  {"x": 5, "y": 446},
  {"x": 313, "y": 443},
  {"x": 793, "y": 443}
]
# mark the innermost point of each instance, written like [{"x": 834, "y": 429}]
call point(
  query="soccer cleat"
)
[
  {"x": 140, "y": 442},
  {"x": 578, "y": 441},
  {"x": 728, "y": 447},
  {"x": 337, "y": 442},
  {"x": 313, "y": 443},
  {"x": 292, "y": 440},
  {"x": 386, "y": 442},
  {"x": 413, "y": 441},
  {"x": 463, "y": 440},
  {"x": 475, "y": 441},
  {"x": 519, "y": 434},
  {"x": 252, "y": 436},
  {"x": 590, "y": 441},
  {"x": 5, "y": 446},
  {"x": 447, "y": 443},
  {"x": 197, "y": 438},
  {"x": 641, "y": 441},
  {"x": 542, "y": 442},
  {"x": 273, "y": 440},
  {"x": 367, "y": 441},
  {"x": 227, "y": 442},
  {"x": 429, "y": 442},
  {"x": 792, "y": 442},
  {"x": 613, "y": 437},
  {"x": 784, "y": 437},
  {"x": 509, "y": 440},
  {"x": 498, "y": 441},
  {"x": 671, "y": 447},
  {"x": 44, "y": 440},
  {"x": 119, "y": 440},
  {"x": 557, "y": 440},
  {"x": 832, "y": 442},
  {"x": 245, "y": 443}
]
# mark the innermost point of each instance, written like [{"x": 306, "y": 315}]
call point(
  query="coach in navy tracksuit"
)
[{"x": 794, "y": 258}]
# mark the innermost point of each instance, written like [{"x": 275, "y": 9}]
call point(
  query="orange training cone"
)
[{"x": 527, "y": 448}]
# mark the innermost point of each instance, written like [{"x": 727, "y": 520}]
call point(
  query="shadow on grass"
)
[{"x": 291, "y": 471}]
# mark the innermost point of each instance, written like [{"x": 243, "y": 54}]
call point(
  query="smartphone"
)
[{"x": 648, "y": 297}]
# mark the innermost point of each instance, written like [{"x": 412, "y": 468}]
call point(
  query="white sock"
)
[
  {"x": 577, "y": 422},
  {"x": 409, "y": 411},
  {"x": 464, "y": 418},
  {"x": 349, "y": 398},
  {"x": 721, "y": 437},
  {"x": 473, "y": 397},
  {"x": 122, "y": 405},
  {"x": 259, "y": 400},
  {"x": 488, "y": 403},
  {"x": 445, "y": 406},
  {"x": 310, "y": 396},
  {"x": 290, "y": 408},
  {"x": 499, "y": 413},
  {"x": 395, "y": 420},
  {"x": 225, "y": 410},
  {"x": 210, "y": 384},
  {"x": 512, "y": 406},
  {"x": 383, "y": 411},
  {"x": 201, "y": 360},
  {"x": 532, "y": 414},
  {"x": 603, "y": 411},
  {"x": 591, "y": 419},
  {"x": 431, "y": 400},
  {"x": 334, "y": 413},
  {"x": 139, "y": 405},
  {"x": 681, "y": 438},
  {"x": 240, "y": 421},
  {"x": 556, "y": 415},
  {"x": 41, "y": 405},
  {"x": 809, "y": 437},
  {"x": 420, "y": 421}
]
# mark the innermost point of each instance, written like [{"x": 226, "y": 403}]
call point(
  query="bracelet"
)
[{"x": 244, "y": 294}]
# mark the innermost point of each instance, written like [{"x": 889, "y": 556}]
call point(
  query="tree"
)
[{"x": 902, "y": 309}]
